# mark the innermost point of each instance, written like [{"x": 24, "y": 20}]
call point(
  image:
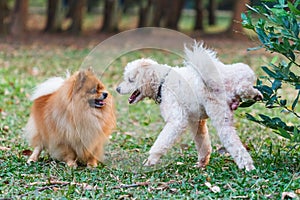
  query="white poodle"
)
[{"x": 188, "y": 95}]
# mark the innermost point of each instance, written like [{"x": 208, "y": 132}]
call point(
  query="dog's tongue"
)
[{"x": 132, "y": 98}]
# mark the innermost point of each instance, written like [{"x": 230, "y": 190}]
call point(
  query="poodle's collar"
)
[{"x": 158, "y": 97}]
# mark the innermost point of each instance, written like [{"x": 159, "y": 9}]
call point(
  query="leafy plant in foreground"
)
[{"x": 278, "y": 29}]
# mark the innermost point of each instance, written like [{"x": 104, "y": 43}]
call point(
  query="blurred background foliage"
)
[{"x": 110, "y": 16}]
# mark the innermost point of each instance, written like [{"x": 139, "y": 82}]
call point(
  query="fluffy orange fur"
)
[{"x": 68, "y": 122}]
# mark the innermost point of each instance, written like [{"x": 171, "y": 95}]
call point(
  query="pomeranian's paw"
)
[
  {"x": 92, "y": 164},
  {"x": 35, "y": 155},
  {"x": 31, "y": 160},
  {"x": 72, "y": 163},
  {"x": 203, "y": 162}
]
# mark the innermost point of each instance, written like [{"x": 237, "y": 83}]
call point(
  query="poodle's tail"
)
[{"x": 205, "y": 62}]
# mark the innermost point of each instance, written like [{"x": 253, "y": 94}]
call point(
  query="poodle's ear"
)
[{"x": 149, "y": 81}]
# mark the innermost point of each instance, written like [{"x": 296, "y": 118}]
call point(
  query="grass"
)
[{"x": 123, "y": 176}]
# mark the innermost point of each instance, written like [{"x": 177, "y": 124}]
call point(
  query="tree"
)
[
  {"x": 199, "y": 15},
  {"x": 173, "y": 13},
  {"x": 76, "y": 12},
  {"x": 111, "y": 16},
  {"x": 55, "y": 16},
  {"x": 147, "y": 13},
  {"x": 4, "y": 13},
  {"x": 19, "y": 17},
  {"x": 235, "y": 26},
  {"x": 154, "y": 13},
  {"x": 278, "y": 31},
  {"x": 212, "y": 6},
  {"x": 159, "y": 12}
]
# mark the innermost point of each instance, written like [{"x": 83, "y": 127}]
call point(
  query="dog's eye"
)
[
  {"x": 130, "y": 80},
  {"x": 93, "y": 91}
]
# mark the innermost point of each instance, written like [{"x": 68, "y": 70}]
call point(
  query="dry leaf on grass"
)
[
  {"x": 213, "y": 188},
  {"x": 26, "y": 152},
  {"x": 4, "y": 148},
  {"x": 287, "y": 195}
]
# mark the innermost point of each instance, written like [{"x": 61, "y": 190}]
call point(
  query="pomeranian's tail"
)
[
  {"x": 205, "y": 62},
  {"x": 48, "y": 87}
]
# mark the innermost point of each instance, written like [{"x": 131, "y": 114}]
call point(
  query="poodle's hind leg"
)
[
  {"x": 202, "y": 141},
  {"x": 222, "y": 119},
  {"x": 165, "y": 140}
]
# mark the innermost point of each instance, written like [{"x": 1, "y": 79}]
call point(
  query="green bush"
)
[{"x": 277, "y": 28}]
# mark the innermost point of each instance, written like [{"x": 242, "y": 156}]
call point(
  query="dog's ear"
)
[
  {"x": 90, "y": 69},
  {"x": 79, "y": 81},
  {"x": 149, "y": 81}
]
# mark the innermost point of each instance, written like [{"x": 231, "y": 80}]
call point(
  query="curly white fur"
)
[{"x": 204, "y": 88}]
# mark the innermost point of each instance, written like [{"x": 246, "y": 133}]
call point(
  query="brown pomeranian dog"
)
[{"x": 71, "y": 118}]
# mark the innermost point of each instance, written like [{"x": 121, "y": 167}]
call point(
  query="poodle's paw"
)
[
  {"x": 151, "y": 160},
  {"x": 249, "y": 167}
]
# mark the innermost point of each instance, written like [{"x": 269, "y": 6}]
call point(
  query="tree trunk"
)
[
  {"x": 159, "y": 12},
  {"x": 19, "y": 18},
  {"x": 174, "y": 13},
  {"x": 199, "y": 15},
  {"x": 4, "y": 12},
  {"x": 146, "y": 13},
  {"x": 76, "y": 13},
  {"x": 111, "y": 16},
  {"x": 55, "y": 16},
  {"x": 212, "y": 6},
  {"x": 235, "y": 29}
]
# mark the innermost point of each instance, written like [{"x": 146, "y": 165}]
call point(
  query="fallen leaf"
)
[
  {"x": 125, "y": 196},
  {"x": 173, "y": 190},
  {"x": 26, "y": 152},
  {"x": 4, "y": 148},
  {"x": 130, "y": 133},
  {"x": 184, "y": 147},
  {"x": 285, "y": 195},
  {"x": 297, "y": 191},
  {"x": 222, "y": 150},
  {"x": 5, "y": 128},
  {"x": 214, "y": 189},
  {"x": 86, "y": 186}
]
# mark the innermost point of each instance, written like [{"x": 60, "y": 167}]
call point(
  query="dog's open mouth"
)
[
  {"x": 96, "y": 103},
  {"x": 134, "y": 96}
]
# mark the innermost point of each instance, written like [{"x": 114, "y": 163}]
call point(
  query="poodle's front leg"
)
[{"x": 165, "y": 141}]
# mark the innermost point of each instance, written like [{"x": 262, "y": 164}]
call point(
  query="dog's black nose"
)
[
  {"x": 104, "y": 95},
  {"x": 118, "y": 89}
]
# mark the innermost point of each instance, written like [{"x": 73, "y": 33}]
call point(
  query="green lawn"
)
[{"x": 123, "y": 176}]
